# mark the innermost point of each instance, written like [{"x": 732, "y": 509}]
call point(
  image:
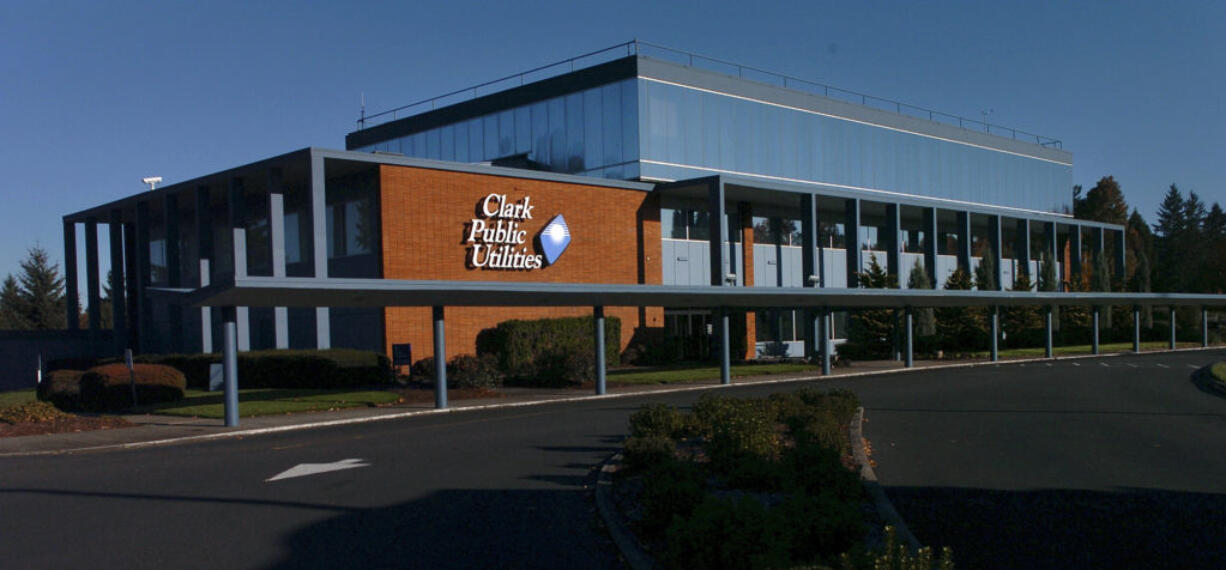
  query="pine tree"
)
[
  {"x": 1019, "y": 320},
  {"x": 961, "y": 328},
  {"x": 1047, "y": 273},
  {"x": 873, "y": 329},
  {"x": 1172, "y": 234},
  {"x": 985, "y": 274},
  {"x": 42, "y": 291},
  {"x": 12, "y": 311},
  {"x": 919, "y": 279}
]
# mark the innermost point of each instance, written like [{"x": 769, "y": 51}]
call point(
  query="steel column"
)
[
  {"x": 72, "y": 300},
  {"x": 1136, "y": 328},
  {"x": 1022, "y": 250},
  {"x": 1047, "y": 352},
  {"x": 994, "y": 244},
  {"x": 1172, "y": 328},
  {"x": 1094, "y": 332},
  {"x": 598, "y": 318},
  {"x": 811, "y": 264},
  {"x": 440, "y": 359},
  {"x": 725, "y": 351},
  {"x": 908, "y": 356},
  {"x": 229, "y": 360},
  {"x": 824, "y": 341},
  {"x": 1074, "y": 271},
  {"x": 995, "y": 333},
  {"x": 1204, "y": 327},
  {"x": 893, "y": 257}
]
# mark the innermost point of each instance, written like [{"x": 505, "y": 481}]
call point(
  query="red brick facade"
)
[{"x": 426, "y": 218}]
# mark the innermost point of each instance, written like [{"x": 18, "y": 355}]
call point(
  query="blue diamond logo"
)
[{"x": 554, "y": 239}]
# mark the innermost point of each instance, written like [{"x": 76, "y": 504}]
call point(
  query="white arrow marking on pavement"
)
[
  {"x": 305, "y": 469},
  {"x": 1133, "y": 365},
  {"x": 1075, "y": 364},
  {"x": 1104, "y": 364},
  {"x": 1160, "y": 365},
  {"x": 1193, "y": 366}
]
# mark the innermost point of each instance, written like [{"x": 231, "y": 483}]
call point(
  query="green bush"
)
[
  {"x": 659, "y": 420},
  {"x": 727, "y": 533},
  {"x": 108, "y": 388},
  {"x": 671, "y": 489},
  {"x": 334, "y": 368},
  {"x": 62, "y": 388},
  {"x": 423, "y": 370},
  {"x": 651, "y": 347},
  {"x": 468, "y": 371},
  {"x": 740, "y": 434},
  {"x": 549, "y": 351},
  {"x": 648, "y": 451}
]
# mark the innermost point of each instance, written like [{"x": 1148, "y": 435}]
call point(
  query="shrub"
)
[
  {"x": 423, "y": 370},
  {"x": 650, "y": 347},
  {"x": 659, "y": 420},
  {"x": 671, "y": 489},
  {"x": 30, "y": 412},
  {"x": 552, "y": 351},
  {"x": 558, "y": 369},
  {"x": 648, "y": 451},
  {"x": 727, "y": 533},
  {"x": 109, "y": 387},
  {"x": 62, "y": 388},
  {"x": 468, "y": 371},
  {"x": 741, "y": 439},
  {"x": 322, "y": 369}
]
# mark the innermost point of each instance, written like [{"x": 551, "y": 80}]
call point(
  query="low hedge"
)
[
  {"x": 109, "y": 387},
  {"x": 62, "y": 388},
  {"x": 549, "y": 352},
  {"x": 463, "y": 371},
  {"x": 335, "y": 368}
]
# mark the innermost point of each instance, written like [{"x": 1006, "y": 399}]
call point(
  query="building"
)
[{"x": 641, "y": 165}]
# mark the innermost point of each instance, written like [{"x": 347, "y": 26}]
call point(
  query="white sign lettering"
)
[{"x": 497, "y": 241}]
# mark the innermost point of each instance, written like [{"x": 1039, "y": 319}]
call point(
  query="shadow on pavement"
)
[
  {"x": 460, "y": 529},
  {"x": 1128, "y": 528}
]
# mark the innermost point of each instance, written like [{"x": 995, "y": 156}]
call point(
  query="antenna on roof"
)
[
  {"x": 152, "y": 181},
  {"x": 362, "y": 121}
]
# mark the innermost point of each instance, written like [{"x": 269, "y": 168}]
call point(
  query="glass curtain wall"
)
[
  {"x": 592, "y": 132},
  {"x": 687, "y": 129}
]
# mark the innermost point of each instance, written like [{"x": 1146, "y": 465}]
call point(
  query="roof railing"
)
[{"x": 647, "y": 49}]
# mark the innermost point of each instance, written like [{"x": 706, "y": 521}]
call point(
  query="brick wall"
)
[{"x": 425, "y": 219}]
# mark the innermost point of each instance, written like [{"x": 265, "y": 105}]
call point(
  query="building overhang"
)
[{"x": 337, "y": 292}]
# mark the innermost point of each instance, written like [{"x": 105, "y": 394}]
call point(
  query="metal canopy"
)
[{"x": 336, "y": 292}]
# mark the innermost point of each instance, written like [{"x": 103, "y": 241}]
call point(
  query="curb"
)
[
  {"x": 629, "y": 547},
  {"x": 565, "y": 399},
  {"x": 884, "y": 507}
]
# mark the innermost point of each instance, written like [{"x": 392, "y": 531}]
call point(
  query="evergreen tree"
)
[
  {"x": 985, "y": 273},
  {"x": 919, "y": 279},
  {"x": 1103, "y": 203},
  {"x": 42, "y": 291},
  {"x": 1047, "y": 273},
  {"x": 12, "y": 311},
  {"x": 960, "y": 328},
  {"x": 873, "y": 329},
  {"x": 1173, "y": 233},
  {"x": 1019, "y": 321}
]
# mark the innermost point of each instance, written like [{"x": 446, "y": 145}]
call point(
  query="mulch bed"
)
[{"x": 63, "y": 425}]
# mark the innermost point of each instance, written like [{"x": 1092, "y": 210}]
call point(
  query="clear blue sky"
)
[{"x": 95, "y": 95}]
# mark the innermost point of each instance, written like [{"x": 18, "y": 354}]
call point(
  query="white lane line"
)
[{"x": 1161, "y": 365}]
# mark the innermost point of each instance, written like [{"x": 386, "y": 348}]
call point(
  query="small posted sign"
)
[{"x": 402, "y": 354}]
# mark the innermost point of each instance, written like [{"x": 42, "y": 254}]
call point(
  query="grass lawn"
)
[
  {"x": 272, "y": 401},
  {"x": 693, "y": 373},
  {"x": 1038, "y": 352},
  {"x": 17, "y": 397},
  {"x": 1219, "y": 372}
]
